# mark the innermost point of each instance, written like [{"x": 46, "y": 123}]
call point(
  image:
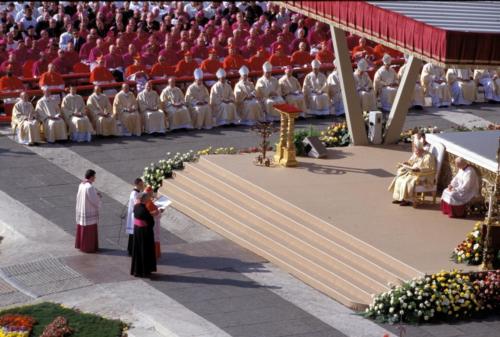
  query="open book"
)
[{"x": 163, "y": 202}]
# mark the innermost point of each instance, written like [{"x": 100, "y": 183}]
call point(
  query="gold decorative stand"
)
[{"x": 285, "y": 149}]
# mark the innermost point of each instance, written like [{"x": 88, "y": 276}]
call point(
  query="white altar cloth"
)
[{"x": 477, "y": 147}]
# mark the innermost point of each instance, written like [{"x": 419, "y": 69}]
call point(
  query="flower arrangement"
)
[
  {"x": 154, "y": 174},
  {"x": 14, "y": 325},
  {"x": 445, "y": 295},
  {"x": 336, "y": 134},
  {"x": 59, "y": 327},
  {"x": 470, "y": 250},
  {"x": 220, "y": 150}
]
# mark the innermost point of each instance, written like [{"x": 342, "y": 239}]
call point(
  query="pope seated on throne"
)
[{"x": 419, "y": 169}]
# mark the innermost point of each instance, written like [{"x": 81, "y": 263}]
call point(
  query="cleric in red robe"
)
[
  {"x": 301, "y": 56},
  {"x": 324, "y": 55},
  {"x": 40, "y": 66},
  {"x": 128, "y": 58},
  {"x": 87, "y": 47},
  {"x": 211, "y": 64},
  {"x": 60, "y": 64},
  {"x": 234, "y": 61},
  {"x": 186, "y": 66},
  {"x": 113, "y": 60},
  {"x": 169, "y": 53},
  {"x": 279, "y": 59},
  {"x": 255, "y": 62},
  {"x": 161, "y": 69},
  {"x": 12, "y": 64},
  {"x": 51, "y": 78},
  {"x": 10, "y": 82},
  {"x": 98, "y": 51},
  {"x": 100, "y": 73}
]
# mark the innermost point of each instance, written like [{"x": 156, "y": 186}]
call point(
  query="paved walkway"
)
[{"x": 206, "y": 285}]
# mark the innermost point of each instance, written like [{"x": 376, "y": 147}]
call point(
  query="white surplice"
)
[
  {"x": 88, "y": 204},
  {"x": 465, "y": 187}
]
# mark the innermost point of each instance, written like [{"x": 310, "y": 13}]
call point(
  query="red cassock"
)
[
  {"x": 184, "y": 68},
  {"x": 279, "y": 60},
  {"x": 101, "y": 74},
  {"x": 40, "y": 67},
  {"x": 233, "y": 62},
  {"x": 301, "y": 57},
  {"x": 453, "y": 211},
  {"x": 171, "y": 57},
  {"x": 210, "y": 66},
  {"x": 255, "y": 63},
  {"x": 50, "y": 78},
  {"x": 113, "y": 61},
  {"x": 11, "y": 83},
  {"x": 161, "y": 70}
]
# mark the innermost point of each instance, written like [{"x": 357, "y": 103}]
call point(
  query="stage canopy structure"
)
[{"x": 461, "y": 34}]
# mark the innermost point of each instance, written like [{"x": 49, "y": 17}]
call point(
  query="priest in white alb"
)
[
  {"x": 88, "y": 204},
  {"x": 197, "y": 99},
  {"x": 386, "y": 83},
  {"x": 50, "y": 113},
  {"x": 25, "y": 121},
  {"x": 292, "y": 91},
  {"x": 433, "y": 81},
  {"x": 268, "y": 91},
  {"x": 222, "y": 101},
  {"x": 150, "y": 108},
  {"x": 174, "y": 104},
  {"x": 75, "y": 113},
  {"x": 247, "y": 105},
  {"x": 364, "y": 86},
  {"x": 101, "y": 113},
  {"x": 126, "y": 111},
  {"x": 129, "y": 227},
  {"x": 490, "y": 81},
  {"x": 334, "y": 91},
  {"x": 418, "y": 92},
  {"x": 463, "y": 188},
  {"x": 462, "y": 87},
  {"x": 314, "y": 89}
]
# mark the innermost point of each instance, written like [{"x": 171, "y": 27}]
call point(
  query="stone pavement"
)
[{"x": 206, "y": 285}]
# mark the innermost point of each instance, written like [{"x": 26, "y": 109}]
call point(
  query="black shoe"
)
[{"x": 396, "y": 202}]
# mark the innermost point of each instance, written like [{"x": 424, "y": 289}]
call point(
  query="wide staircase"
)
[{"x": 313, "y": 250}]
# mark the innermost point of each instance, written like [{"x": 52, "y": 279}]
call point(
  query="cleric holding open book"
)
[{"x": 407, "y": 175}]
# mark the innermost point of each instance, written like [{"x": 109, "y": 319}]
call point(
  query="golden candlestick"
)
[{"x": 285, "y": 149}]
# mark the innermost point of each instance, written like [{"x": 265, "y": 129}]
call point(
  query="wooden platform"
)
[{"x": 329, "y": 222}]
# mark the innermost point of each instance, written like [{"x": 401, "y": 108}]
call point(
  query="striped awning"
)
[{"x": 455, "y": 33}]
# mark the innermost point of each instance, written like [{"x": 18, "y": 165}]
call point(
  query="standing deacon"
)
[
  {"x": 74, "y": 110},
  {"x": 88, "y": 203},
  {"x": 101, "y": 113},
  {"x": 138, "y": 188},
  {"x": 222, "y": 101},
  {"x": 126, "y": 111},
  {"x": 386, "y": 83},
  {"x": 25, "y": 121},
  {"x": 247, "y": 104},
  {"x": 197, "y": 98},
  {"x": 174, "y": 105},
  {"x": 143, "y": 248},
  {"x": 50, "y": 113},
  {"x": 150, "y": 107},
  {"x": 314, "y": 89},
  {"x": 364, "y": 86},
  {"x": 292, "y": 91},
  {"x": 268, "y": 91}
]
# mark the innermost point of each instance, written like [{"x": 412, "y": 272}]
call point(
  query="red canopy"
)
[{"x": 470, "y": 42}]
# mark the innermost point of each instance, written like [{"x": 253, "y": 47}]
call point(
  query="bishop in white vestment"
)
[
  {"x": 197, "y": 98},
  {"x": 386, "y": 83},
  {"x": 433, "y": 81},
  {"x": 268, "y": 91},
  {"x": 222, "y": 101},
  {"x": 25, "y": 121},
  {"x": 334, "y": 90},
  {"x": 364, "y": 87},
  {"x": 462, "y": 189},
  {"x": 247, "y": 105},
  {"x": 463, "y": 88},
  {"x": 150, "y": 108},
  {"x": 101, "y": 113},
  {"x": 490, "y": 81},
  {"x": 74, "y": 110},
  {"x": 418, "y": 92},
  {"x": 50, "y": 113},
  {"x": 125, "y": 110},
  {"x": 174, "y": 104},
  {"x": 292, "y": 91},
  {"x": 314, "y": 89}
]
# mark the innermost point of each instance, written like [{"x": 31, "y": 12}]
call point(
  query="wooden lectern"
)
[{"x": 285, "y": 149}]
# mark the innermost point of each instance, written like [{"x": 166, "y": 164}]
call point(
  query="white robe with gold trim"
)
[
  {"x": 334, "y": 90},
  {"x": 153, "y": 117},
  {"x": 433, "y": 81},
  {"x": 292, "y": 92},
  {"x": 50, "y": 113},
  {"x": 490, "y": 83},
  {"x": 25, "y": 121},
  {"x": 101, "y": 113},
  {"x": 268, "y": 91},
  {"x": 79, "y": 126},
  {"x": 418, "y": 91},
  {"x": 385, "y": 82},
  {"x": 198, "y": 98},
  {"x": 364, "y": 87},
  {"x": 314, "y": 89},
  {"x": 125, "y": 110},
  {"x": 173, "y": 102},
  {"x": 463, "y": 88},
  {"x": 247, "y": 105}
]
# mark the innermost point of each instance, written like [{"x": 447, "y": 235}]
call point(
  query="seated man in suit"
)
[{"x": 462, "y": 189}]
